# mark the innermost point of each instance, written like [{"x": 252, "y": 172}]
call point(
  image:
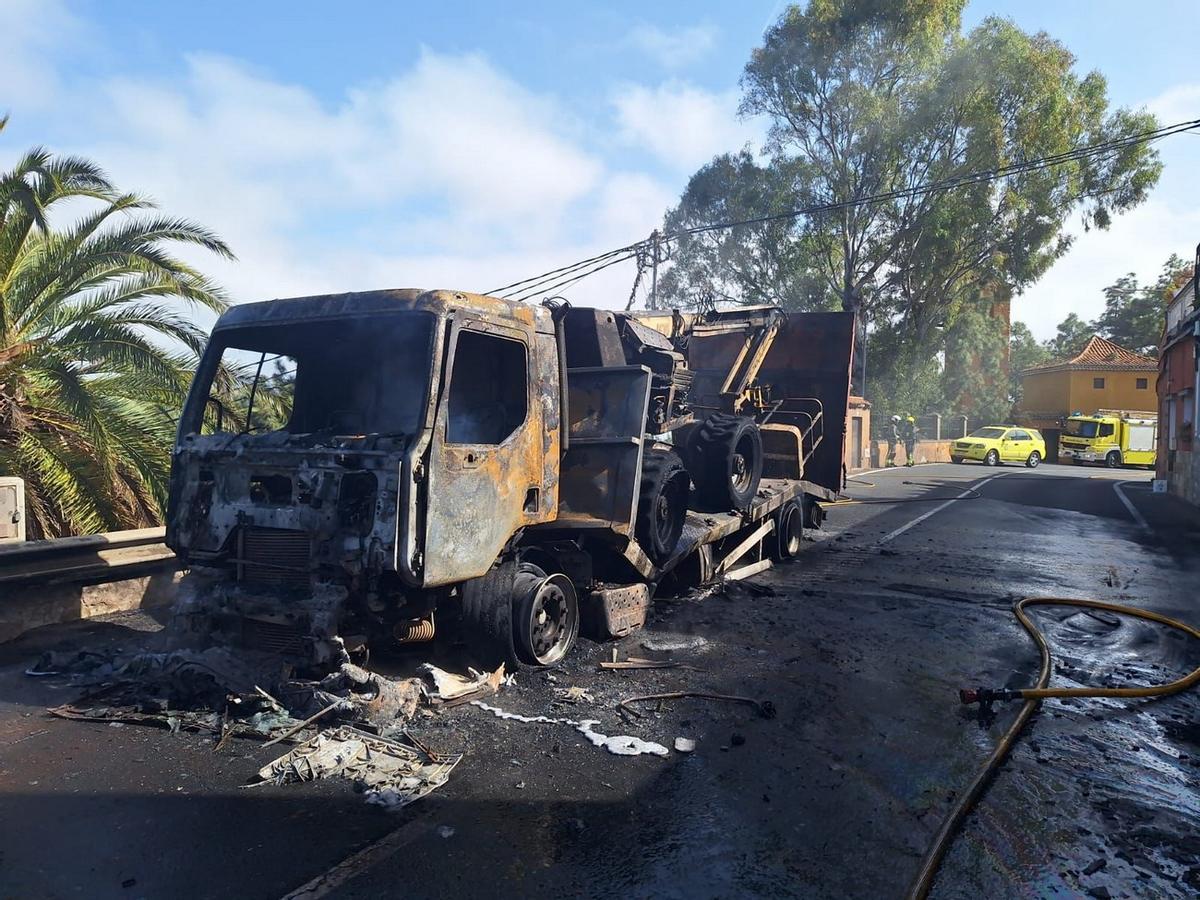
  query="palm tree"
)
[{"x": 96, "y": 344}]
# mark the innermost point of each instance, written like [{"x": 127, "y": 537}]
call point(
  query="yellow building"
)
[{"x": 1102, "y": 375}]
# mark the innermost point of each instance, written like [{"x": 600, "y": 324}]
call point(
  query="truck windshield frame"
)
[
  {"x": 344, "y": 376},
  {"x": 1084, "y": 428}
]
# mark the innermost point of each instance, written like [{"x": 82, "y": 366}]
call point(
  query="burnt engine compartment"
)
[{"x": 279, "y": 523}]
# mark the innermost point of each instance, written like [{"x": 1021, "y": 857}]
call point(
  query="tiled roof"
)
[{"x": 1099, "y": 353}]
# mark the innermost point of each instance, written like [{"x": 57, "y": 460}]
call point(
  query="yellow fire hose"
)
[{"x": 1032, "y": 697}]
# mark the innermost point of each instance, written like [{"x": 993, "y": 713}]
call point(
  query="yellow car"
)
[{"x": 998, "y": 444}]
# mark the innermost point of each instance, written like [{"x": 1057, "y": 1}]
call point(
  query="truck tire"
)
[
  {"x": 814, "y": 515},
  {"x": 789, "y": 531},
  {"x": 1113, "y": 459},
  {"x": 662, "y": 504},
  {"x": 545, "y": 613},
  {"x": 725, "y": 457},
  {"x": 487, "y": 617}
]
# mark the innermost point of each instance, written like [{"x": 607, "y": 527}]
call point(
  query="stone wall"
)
[
  {"x": 1184, "y": 480},
  {"x": 26, "y": 608},
  {"x": 925, "y": 452}
]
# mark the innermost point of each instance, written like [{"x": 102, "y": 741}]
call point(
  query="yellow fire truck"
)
[{"x": 1112, "y": 437}]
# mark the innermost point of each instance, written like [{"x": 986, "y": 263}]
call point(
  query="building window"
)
[
  {"x": 1142, "y": 384},
  {"x": 1098, "y": 383}
]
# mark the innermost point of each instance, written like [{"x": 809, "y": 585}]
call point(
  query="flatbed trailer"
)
[
  {"x": 714, "y": 547},
  {"x": 706, "y": 534}
]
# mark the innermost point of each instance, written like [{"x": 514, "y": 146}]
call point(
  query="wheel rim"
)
[
  {"x": 1034, "y": 459},
  {"x": 549, "y": 619},
  {"x": 992, "y": 458},
  {"x": 662, "y": 517},
  {"x": 668, "y": 523},
  {"x": 740, "y": 475},
  {"x": 791, "y": 531}
]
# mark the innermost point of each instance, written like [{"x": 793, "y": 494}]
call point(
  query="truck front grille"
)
[
  {"x": 272, "y": 637},
  {"x": 274, "y": 556}
]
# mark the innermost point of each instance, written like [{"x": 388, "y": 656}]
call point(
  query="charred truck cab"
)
[{"x": 349, "y": 467}]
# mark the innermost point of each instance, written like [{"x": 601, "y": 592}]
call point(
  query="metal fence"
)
[{"x": 931, "y": 426}]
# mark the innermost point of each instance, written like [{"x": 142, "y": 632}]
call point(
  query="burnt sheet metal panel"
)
[
  {"x": 364, "y": 303},
  {"x": 601, "y": 470},
  {"x": 811, "y": 358},
  {"x": 712, "y": 355},
  {"x": 783, "y": 456},
  {"x": 480, "y": 494}
]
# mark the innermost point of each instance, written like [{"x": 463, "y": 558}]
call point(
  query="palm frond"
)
[{"x": 96, "y": 344}]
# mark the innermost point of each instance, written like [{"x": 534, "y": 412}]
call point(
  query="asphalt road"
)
[{"x": 861, "y": 645}]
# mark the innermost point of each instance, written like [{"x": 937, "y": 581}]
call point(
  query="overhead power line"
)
[
  {"x": 508, "y": 289},
  {"x": 556, "y": 279},
  {"x": 964, "y": 180}
]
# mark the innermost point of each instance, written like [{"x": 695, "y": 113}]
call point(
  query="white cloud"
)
[
  {"x": 683, "y": 125},
  {"x": 449, "y": 173},
  {"x": 441, "y": 175},
  {"x": 631, "y": 205},
  {"x": 1138, "y": 241},
  {"x": 1177, "y": 104},
  {"x": 31, "y": 28},
  {"x": 673, "y": 49}
]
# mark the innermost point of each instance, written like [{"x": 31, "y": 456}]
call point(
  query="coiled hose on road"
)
[{"x": 1032, "y": 697}]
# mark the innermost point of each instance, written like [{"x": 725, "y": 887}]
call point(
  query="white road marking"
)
[
  {"x": 921, "y": 518},
  {"x": 1137, "y": 516},
  {"x": 357, "y": 863},
  {"x": 899, "y": 468}
]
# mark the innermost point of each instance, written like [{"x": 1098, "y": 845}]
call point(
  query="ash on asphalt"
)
[{"x": 861, "y": 653}]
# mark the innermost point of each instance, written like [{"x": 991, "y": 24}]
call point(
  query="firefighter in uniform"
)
[
  {"x": 908, "y": 430},
  {"x": 893, "y": 438}
]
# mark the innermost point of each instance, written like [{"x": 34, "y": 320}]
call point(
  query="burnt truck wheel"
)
[
  {"x": 487, "y": 617},
  {"x": 789, "y": 531},
  {"x": 545, "y": 616},
  {"x": 726, "y": 461},
  {"x": 662, "y": 504}
]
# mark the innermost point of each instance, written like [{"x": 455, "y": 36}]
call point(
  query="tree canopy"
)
[
  {"x": 867, "y": 98},
  {"x": 1133, "y": 313},
  {"x": 96, "y": 344}
]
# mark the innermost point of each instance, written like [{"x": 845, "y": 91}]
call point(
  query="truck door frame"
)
[{"x": 477, "y": 494}]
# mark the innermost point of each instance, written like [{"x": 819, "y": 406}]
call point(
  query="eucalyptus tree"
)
[{"x": 865, "y": 102}]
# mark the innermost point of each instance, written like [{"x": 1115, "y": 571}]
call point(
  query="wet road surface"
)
[{"x": 861, "y": 645}]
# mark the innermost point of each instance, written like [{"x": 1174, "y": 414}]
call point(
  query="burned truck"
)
[{"x": 388, "y": 462}]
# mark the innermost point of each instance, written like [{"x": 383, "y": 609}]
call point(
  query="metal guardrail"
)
[{"x": 92, "y": 558}]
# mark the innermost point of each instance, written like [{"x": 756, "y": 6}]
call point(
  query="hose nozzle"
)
[{"x": 985, "y": 697}]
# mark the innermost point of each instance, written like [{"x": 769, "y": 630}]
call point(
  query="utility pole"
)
[
  {"x": 862, "y": 312},
  {"x": 654, "y": 270}
]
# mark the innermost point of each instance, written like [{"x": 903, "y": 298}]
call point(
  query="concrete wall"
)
[
  {"x": 924, "y": 452},
  {"x": 1183, "y": 479},
  {"x": 26, "y": 608}
]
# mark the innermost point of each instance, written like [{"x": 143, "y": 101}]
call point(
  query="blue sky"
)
[{"x": 342, "y": 147}]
